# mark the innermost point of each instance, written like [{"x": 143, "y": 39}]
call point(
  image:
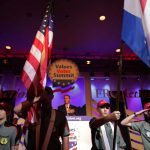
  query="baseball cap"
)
[
  {"x": 102, "y": 103},
  {"x": 147, "y": 105}
]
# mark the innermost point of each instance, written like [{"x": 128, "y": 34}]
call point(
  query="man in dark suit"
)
[{"x": 67, "y": 108}]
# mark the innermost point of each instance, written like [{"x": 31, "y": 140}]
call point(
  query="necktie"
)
[{"x": 67, "y": 107}]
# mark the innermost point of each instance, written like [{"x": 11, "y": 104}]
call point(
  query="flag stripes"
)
[
  {"x": 143, "y": 4},
  {"x": 35, "y": 68},
  {"x": 136, "y": 28}
]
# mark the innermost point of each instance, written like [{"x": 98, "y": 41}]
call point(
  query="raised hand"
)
[
  {"x": 115, "y": 115},
  {"x": 142, "y": 111}
]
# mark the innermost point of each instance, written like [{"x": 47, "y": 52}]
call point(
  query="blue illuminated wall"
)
[
  {"x": 99, "y": 89},
  {"x": 12, "y": 82},
  {"x": 77, "y": 94}
]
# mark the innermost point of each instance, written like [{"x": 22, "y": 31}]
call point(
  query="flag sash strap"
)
[
  {"x": 50, "y": 129},
  {"x": 48, "y": 133},
  {"x": 105, "y": 138}
]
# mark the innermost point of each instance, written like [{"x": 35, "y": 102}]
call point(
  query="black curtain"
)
[{"x": 145, "y": 96}]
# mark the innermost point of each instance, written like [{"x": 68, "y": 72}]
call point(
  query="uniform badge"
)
[{"x": 3, "y": 141}]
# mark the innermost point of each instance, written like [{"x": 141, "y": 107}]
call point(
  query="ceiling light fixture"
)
[
  {"x": 8, "y": 47},
  {"x": 88, "y": 62},
  {"x": 118, "y": 50},
  {"x": 102, "y": 18}
]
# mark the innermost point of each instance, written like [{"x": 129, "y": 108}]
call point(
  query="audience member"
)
[{"x": 102, "y": 128}]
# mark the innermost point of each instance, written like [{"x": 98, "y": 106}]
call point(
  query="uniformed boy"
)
[
  {"x": 143, "y": 127},
  {"x": 102, "y": 129}
]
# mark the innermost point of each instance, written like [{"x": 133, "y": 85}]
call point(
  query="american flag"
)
[{"x": 35, "y": 69}]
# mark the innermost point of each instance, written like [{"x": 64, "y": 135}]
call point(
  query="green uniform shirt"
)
[
  {"x": 144, "y": 129},
  {"x": 7, "y": 137}
]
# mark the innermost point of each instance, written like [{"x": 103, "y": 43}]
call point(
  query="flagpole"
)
[
  {"x": 51, "y": 4},
  {"x": 119, "y": 63}
]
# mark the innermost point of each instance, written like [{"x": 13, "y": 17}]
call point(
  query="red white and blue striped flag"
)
[
  {"x": 136, "y": 28},
  {"x": 34, "y": 73},
  {"x": 35, "y": 68}
]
